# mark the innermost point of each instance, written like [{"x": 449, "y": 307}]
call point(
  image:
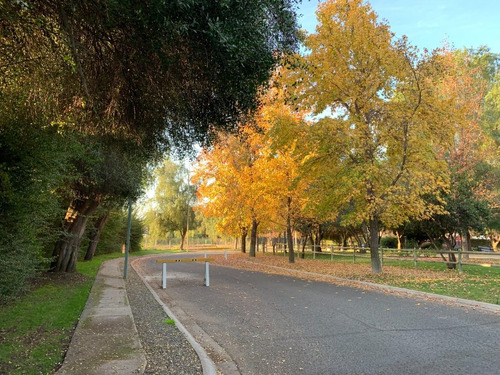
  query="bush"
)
[
  {"x": 31, "y": 169},
  {"x": 389, "y": 242}
]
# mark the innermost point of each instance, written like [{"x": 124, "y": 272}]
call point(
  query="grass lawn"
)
[
  {"x": 476, "y": 282},
  {"x": 35, "y": 329}
]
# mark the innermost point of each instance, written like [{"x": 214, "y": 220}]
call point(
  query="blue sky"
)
[{"x": 427, "y": 23}]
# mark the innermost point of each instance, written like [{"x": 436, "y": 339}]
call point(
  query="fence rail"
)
[{"x": 484, "y": 258}]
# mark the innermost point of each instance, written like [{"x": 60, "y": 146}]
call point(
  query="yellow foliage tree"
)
[
  {"x": 382, "y": 115},
  {"x": 248, "y": 179}
]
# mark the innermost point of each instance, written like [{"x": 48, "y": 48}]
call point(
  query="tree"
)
[
  {"x": 155, "y": 76},
  {"x": 283, "y": 185},
  {"x": 114, "y": 233},
  {"x": 218, "y": 178},
  {"x": 373, "y": 150},
  {"x": 183, "y": 66},
  {"x": 95, "y": 231},
  {"x": 490, "y": 123},
  {"x": 248, "y": 180},
  {"x": 105, "y": 170},
  {"x": 173, "y": 201},
  {"x": 472, "y": 156},
  {"x": 32, "y": 166}
]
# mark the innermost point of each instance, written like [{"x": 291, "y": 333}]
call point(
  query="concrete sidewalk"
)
[{"x": 106, "y": 340}]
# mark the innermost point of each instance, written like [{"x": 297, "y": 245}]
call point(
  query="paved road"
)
[{"x": 255, "y": 323}]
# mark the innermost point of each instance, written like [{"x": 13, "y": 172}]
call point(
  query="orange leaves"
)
[{"x": 250, "y": 175}]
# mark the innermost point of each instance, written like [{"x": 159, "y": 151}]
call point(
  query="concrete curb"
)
[
  {"x": 206, "y": 363},
  {"x": 488, "y": 307},
  {"x": 106, "y": 340}
]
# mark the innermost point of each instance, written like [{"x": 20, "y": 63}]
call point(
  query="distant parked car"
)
[{"x": 485, "y": 248}]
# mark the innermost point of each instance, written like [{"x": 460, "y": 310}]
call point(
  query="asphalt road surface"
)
[{"x": 256, "y": 323}]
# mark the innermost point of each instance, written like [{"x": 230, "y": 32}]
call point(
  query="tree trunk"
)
[
  {"x": 66, "y": 250},
  {"x": 99, "y": 224},
  {"x": 236, "y": 243},
  {"x": 374, "y": 254},
  {"x": 318, "y": 237},
  {"x": 183, "y": 236},
  {"x": 244, "y": 233},
  {"x": 359, "y": 242},
  {"x": 253, "y": 238},
  {"x": 450, "y": 244},
  {"x": 467, "y": 244},
  {"x": 344, "y": 241},
  {"x": 291, "y": 254},
  {"x": 304, "y": 243},
  {"x": 495, "y": 240},
  {"x": 398, "y": 236}
]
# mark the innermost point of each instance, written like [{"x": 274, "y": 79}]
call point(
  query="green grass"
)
[
  {"x": 36, "y": 328},
  {"x": 476, "y": 282},
  {"x": 169, "y": 322}
]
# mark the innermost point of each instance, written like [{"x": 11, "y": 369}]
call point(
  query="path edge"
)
[{"x": 207, "y": 364}]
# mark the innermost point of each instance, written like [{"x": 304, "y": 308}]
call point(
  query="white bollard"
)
[
  {"x": 164, "y": 276},
  {"x": 207, "y": 274}
]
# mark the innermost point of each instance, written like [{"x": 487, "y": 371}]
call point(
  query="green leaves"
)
[{"x": 172, "y": 206}]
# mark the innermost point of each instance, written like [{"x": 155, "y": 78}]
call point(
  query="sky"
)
[{"x": 427, "y": 23}]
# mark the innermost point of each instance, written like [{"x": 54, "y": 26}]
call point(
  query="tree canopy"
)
[
  {"x": 115, "y": 84},
  {"x": 143, "y": 68},
  {"x": 172, "y": 205}
]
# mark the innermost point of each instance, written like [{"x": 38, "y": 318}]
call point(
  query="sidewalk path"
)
[{"x": 106, "y": 340}]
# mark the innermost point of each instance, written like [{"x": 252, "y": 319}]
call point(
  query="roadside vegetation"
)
[
  {"x": 360, "y": 135},
  {"x": 36, "y": 328},
  {"x": 476, "y": 283}
]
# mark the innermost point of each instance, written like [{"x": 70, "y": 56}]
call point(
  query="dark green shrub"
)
[
  {"x": 389, "y": 242},
  {"x": 31, "y": 169}
]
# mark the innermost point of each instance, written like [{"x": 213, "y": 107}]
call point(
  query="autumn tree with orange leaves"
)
[{"x": 247, "y": 179}]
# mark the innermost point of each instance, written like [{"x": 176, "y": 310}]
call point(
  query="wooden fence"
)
[{"x": 483, "y": 258}]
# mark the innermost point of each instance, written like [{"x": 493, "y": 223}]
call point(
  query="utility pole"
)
[
  {"x": 187, "y": 225},
  {"x": 127, "y": 247},
  {"x": 187, "y": 212}
]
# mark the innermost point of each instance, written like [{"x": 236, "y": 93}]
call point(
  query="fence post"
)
[
  {"x": 314, "y": 251},
  {"x": 460, "y": 260},
  {"x": 415, "y": 257},
  {"x": 381, "y": 256},
  {"x": 354, "y": 255},
  {"x": 331, "y": 254}
]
